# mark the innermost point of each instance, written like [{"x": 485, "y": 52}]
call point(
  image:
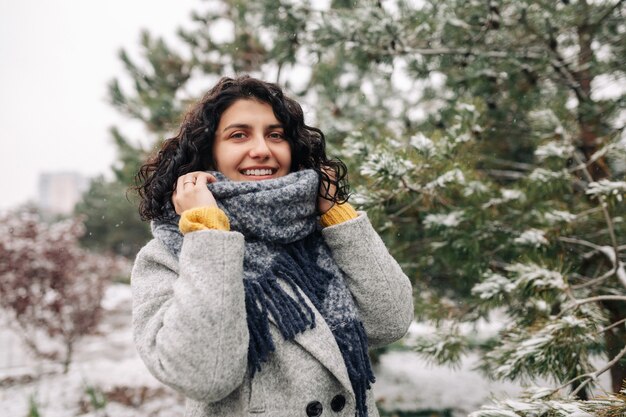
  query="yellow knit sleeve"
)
[
  {"x": 203, "y": 218},
  {"x": 339, "y": 213}
]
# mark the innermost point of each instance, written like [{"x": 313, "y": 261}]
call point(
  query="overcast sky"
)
[{"x": 56, "y": 57}]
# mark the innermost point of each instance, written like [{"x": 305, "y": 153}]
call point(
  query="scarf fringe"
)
[
  {"x": 352, "y": 343},
  {"x": 265, "y": 296}
]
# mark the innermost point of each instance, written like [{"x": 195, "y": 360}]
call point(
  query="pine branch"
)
[
  {"x": 570, "y": 293},
  {"x": 607, "y": 297},
  {"x": 404, "y": 209},
  {"x": 494, "y": 54},
  {"x": 589, "y": 376},
  {"x": 561, "y": 67},
  {"x": 594, "y": 376},
  {"x": 512, "y": 164},
  {"x": 559, "y": 63},
  {"x": 470, "y": 52},
  {"x": 581, "y": 242},
  {"x": 409, "y": 186},
  {"x": 588, "y": 211},
  {"x": 619, "y": 267},
  {"x": 578, "y": 302},
  {"x": 594, "y": 281},
  {"x": 592, "y": 159},
  {"x": 606, "y": 14},
  {"x": 611, "y": 326},
  {"x": 505, "y": 174}
]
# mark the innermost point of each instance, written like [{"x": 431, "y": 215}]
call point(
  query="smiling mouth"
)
[{"x": 258, "y": 172}]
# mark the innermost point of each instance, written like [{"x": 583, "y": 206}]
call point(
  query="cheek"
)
[
  {"x": 222, "y": 157},
  {"x": 215, "y": 156},
  {"x": 286, "y": 156}
]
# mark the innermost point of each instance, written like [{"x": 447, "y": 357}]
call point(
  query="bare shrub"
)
[{"x": 49, "y": 285}]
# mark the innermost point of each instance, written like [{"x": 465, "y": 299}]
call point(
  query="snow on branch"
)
[
  {"x": 422, "y": 144},
  {"x": 558, "y": 216},
  {"x": 449, "y": 177},
  {"x": 536, "y": 276},
  {"x": 544, "y": 350},
  {"x": 532, "y": 237},
  {"x": 607, "y": 188},
  {"x": 554, "y": 150},
  {"x": 507, "y": 195},
  {"x": 494, "y": 285},
  {"x": 523, "y": 278},
  {"x": 386, "y": 164},
  {"x": 545, "y": 176},
  {"x": 451, "y": 219},
  {"x": 443, "y": 348}
]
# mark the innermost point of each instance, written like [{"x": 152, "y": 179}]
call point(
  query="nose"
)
[{"x": 259, "y": 148}]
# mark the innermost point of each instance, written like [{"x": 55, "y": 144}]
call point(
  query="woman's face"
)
[{"x": 250, "y": 143}]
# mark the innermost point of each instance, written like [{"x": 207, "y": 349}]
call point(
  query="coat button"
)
[
  {"x": 314, "y": 409},
  {"x": 338, "y": 402}
]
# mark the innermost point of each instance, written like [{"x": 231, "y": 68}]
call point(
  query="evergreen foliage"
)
[
  {"x": 111, "y": 220},
  {"x": 483, "y": 141}
]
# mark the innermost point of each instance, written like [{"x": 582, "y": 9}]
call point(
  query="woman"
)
[{"x": 262, "y": 288}]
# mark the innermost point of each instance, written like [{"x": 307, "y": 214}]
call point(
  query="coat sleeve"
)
[
  {"x": 189, "y": 316},
  {"x": 382, "y": 292}
]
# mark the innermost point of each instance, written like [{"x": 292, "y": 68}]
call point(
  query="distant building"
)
[{"x": 60, "y": 191}]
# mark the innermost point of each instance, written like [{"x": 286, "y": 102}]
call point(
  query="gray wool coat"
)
[{"x": 189, "y": 324}]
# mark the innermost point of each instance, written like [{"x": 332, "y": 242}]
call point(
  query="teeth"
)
[{"x": 257, "y": 172}]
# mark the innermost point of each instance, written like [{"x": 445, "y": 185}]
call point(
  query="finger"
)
[
  {"x": 197, "y": 174},
  {"x": 190, "y": 180},
  {"x": 184, "y": 180},
  {"x": 179, "y": 183},
  {"x": 206, "y": 178},
  {"x": 202, "y": 180}
]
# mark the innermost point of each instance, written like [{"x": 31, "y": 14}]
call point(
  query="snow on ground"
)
[
  {"x": 405, "y": 381},
  {"x": 107, "y": 364}
]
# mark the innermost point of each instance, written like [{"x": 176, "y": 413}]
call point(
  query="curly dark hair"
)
[{"x": 192, "y": 147}]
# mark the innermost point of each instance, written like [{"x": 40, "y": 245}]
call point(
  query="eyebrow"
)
[{"x": 246, "y": 126}]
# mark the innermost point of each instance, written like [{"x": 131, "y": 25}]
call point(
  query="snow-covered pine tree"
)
[
  {"x": 502, "y": 184},
  {"x": 485, "y": 138}
]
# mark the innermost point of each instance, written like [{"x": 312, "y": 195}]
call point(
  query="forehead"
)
[{"x": 248, "y": 111}]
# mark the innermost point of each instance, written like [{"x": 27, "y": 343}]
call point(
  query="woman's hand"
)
[
  {"x": 327, "y": 189},
  {"x": 191, "y": 191}
]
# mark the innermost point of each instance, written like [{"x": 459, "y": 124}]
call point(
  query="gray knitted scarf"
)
[{"x": 283, "y": 244}]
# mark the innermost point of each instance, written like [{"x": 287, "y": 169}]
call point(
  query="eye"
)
[
  {"x": 238, "y": 135},
  {"x": 277, "y": 136}
]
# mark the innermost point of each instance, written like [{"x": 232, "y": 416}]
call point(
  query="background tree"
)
[
  {"x": 481, "y": 137},
  {"x": 111, "y": 220},
  {"x": 50, "y": 286}
]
